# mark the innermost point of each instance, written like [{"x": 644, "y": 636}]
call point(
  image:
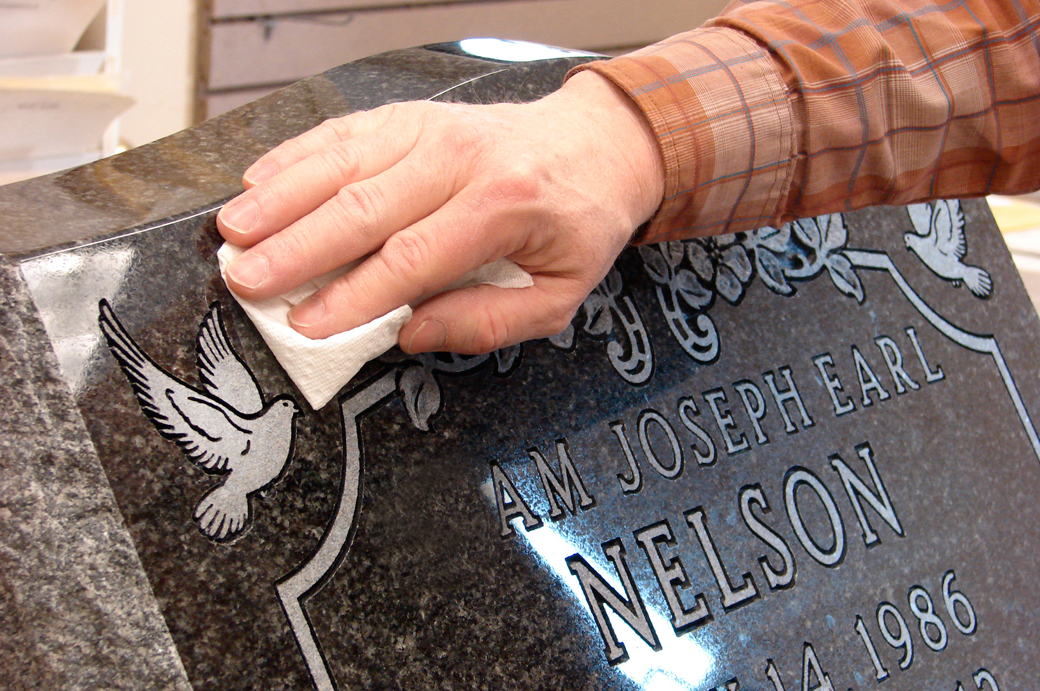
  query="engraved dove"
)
[
  {"x": 938, "y": 239},
  {"x": 224, "y": 428}
]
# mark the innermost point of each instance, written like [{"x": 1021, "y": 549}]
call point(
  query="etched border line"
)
[
  {"x": 294, "y": 589},
  {"x": 879, "y": 261}
]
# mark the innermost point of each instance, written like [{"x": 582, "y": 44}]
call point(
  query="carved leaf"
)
[
  {"x": 422, "y": 396},
  {"x": 700, "y": 260},
  {"x": 834, "y": 232},
  {"x": 736, "y": 258},
  {"x": 611, "y": 283},
  {"x": 777, "y": 240},
  {"x": 655, "y": 263},
  {"x": 727, "y": 284},
  {"x": 808, "y": 232},
  {"x": 844, "y": 276},
  {"x": 564, "y": 339},
  {"x": 691, "y": 290},
  {"x": 673, "y": 253},
  {"x": 506, "y": 358},
  {"x": 598, "y": 318},
  {"x": 771, "y": 271}
]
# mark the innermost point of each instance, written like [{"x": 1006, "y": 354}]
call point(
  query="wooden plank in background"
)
[
  {"x": 230, "y": 9},
  {"x": 251, "y": 53}
]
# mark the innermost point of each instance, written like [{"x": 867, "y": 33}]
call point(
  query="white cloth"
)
[{"x": 320, "y": 367}]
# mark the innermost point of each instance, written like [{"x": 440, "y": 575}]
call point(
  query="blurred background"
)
[
  {"x": 80, "y": 79},
  {"x": 162, "y": 66}
]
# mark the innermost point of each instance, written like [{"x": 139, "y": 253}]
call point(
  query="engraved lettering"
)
[
  {"x": 687, "y": 409},
  {"x": 778, "y": 579},
  {"x": 894, "y": 360},
  {"x": 510, "y": 504},
  {"x": 732, "y": 597},
  {"x": 786, "y": 396},
  {"x": 667, "y": 471},
  {"x": 671, "y": 576},
  {"x": 868, "y": 381},
  {"x": 724, "y": 420},
  {"x": 599, "y": 595},
  {"x": 856, "y": 489},
  {"x": 833, "y": 384},
  {"x": 930, "y": 375},
  {"x": 755, "y": 405},
  {"x": 634, "y": 483},
  {"x": 564, "y": 489},
  {"x": 795, "y": 478}
]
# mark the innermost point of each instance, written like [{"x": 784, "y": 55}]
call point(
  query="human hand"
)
[{"x": 426, "y": 192}]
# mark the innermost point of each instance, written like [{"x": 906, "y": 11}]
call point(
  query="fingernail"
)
[
  {"x": 430, "y": 336},
  {"x": 248, "y": 270},
  {"x": 307, "y": 313},
  {"x": 260, "y": 171},
  {"x": 239, "y": 216}
]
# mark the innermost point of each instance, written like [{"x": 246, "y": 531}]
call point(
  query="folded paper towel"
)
[{"x": 320, "y": 367}]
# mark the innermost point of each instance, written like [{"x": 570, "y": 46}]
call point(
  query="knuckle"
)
[
  {"x": 456, "y": 132},
  {"x": 337, "y": 128},
  {"x": 361, "y": 204},
  {"x": 384, "y": 114},
  {"x": 407, "y": 252},
  {"x": 342, "y": 162},
  {"x": 518, "y": 184},
  {"x": 457, "y": 136},
  {"x": 491, "y": 334},
  {"x": 293, "y": 249}
]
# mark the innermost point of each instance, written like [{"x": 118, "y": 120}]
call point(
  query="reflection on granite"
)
[
  {"x": 746, "y": 461},
  {"x": 191, "y": 169},
  {"x": 77, "y": 608}
]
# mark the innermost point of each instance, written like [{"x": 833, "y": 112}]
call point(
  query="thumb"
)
[{"x": 484, "y": 318}]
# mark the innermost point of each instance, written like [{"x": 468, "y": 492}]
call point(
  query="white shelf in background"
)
[
  {"x": 80, "y": 62},
  {"x": 44, "y": 27}
]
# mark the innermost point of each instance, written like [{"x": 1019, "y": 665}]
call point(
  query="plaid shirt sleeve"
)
[{"x": 781, "y": 109}]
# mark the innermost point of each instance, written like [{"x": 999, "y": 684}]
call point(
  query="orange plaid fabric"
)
[{"x": 781, "y": 109}]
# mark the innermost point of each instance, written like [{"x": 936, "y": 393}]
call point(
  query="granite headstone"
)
[{"x": 791, "y": 459}]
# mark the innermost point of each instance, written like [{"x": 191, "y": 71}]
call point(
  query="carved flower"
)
[
  {"x": 598, "y": 306},
  {"x": 775, "y": 254},
  {"x": 662, "y": 263},
  {"x": 723, "y": 263}
]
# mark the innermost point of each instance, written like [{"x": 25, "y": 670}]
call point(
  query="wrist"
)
[{"x": 626, "y": 139}]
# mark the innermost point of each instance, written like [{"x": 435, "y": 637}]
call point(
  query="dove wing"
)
[
  {"x": 210, "y": 434},
  {"x": 223, "y": 373},
  {"x": 948, "y": 221},
  {"x": 207, "y": 432},
  {"x": 921, "y": 218}
]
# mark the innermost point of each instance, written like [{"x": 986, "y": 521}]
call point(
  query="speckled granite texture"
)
[
  {"x": 78, "y": 612},
  {"x": 641, "y": 502}
]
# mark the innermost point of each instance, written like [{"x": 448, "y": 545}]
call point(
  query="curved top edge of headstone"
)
[{"x": 202, "y": 166}]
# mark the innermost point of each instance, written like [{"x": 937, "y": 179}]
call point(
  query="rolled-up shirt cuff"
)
[{"x": 723, "y": 118}]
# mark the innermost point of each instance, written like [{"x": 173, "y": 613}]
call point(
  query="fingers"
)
[
  {"x": 420, "y": 260},
  {"x": 355, "y": 222},
  {"x": 315, "y": 140},
  {"x": 481, "y": 319},
  {"x": 303, "y": 187}
]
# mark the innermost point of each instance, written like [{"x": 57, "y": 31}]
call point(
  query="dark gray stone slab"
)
[{"x": 642, "y": 502}]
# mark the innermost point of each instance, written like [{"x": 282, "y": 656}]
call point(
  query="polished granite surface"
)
[{"x": 790, "y": 459}]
